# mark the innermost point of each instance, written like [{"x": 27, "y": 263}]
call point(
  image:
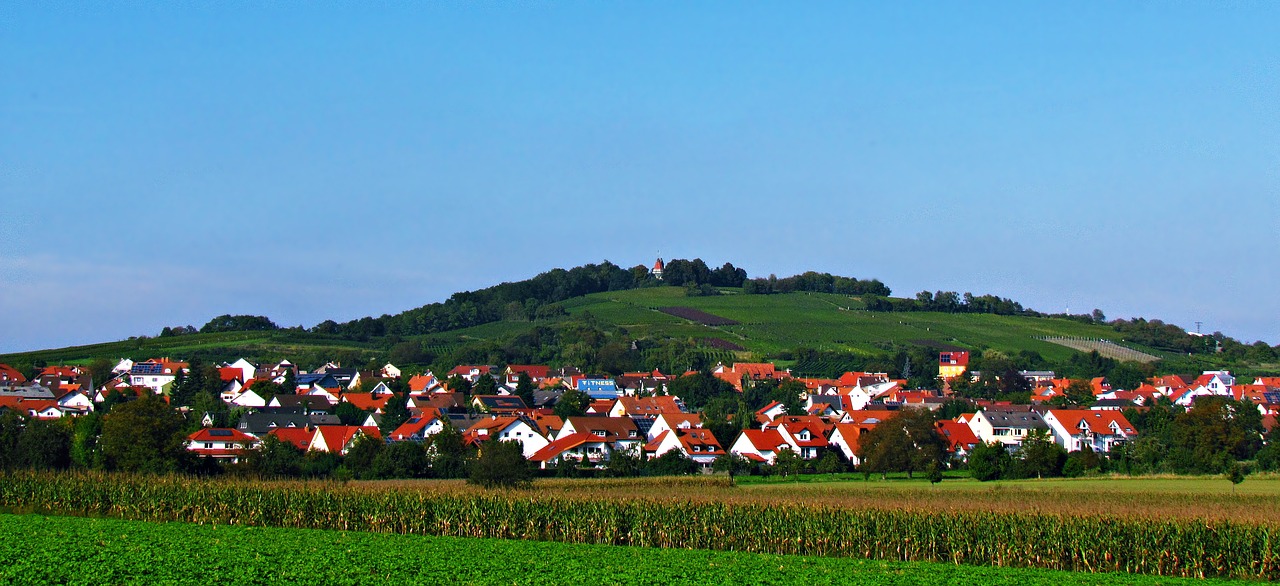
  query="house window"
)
[{"x": 208, "y": 445}]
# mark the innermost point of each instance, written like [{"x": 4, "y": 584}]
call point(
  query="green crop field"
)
[
  {"x": 72, "y": 550},
  {"x": 1025, "y": 536}
]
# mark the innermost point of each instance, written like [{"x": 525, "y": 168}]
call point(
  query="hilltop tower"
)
[{"x": 657, "y": 269}]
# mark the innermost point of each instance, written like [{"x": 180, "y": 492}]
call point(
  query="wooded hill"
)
[{"x": 609, "y": 319}]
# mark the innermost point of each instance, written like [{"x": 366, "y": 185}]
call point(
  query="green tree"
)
[
  {"x": 1214, "y": 433},
  {"x": 788, "y": 463},
  {"x": 572, "y": 403},
  {"x": 448, "y": 453},
  {"x": 935, "y": 473},
  {"x": 988, "y": 461},
  {"x": 672, "y": 463},
  {"x": 485, "y": 385},
  {"x": 402, "y": 460},
  {"x": 1080, "y": 392},
  {"x": 394, "y": 413},
  {"x": 144, "y": 436},
  {"x": 698, "y": 389},
  {"x": 85, "y": 451},
  {"x": 624, "y": 464},
  {"x": 45, "y": 445},
  {"x": 349, "y": 414},
  {"x": 907, "y": 442},
  {"x": 501, "y": 464},
  {"x": 362, "y": 454},
  {"x": 10, "y": 435},
  {"x": 457, "y": 384},
  {"x": 275, "y": 459},
  {"x": 1236, "y": 475},
  {"x": 731, "y": 464},
  {"x": 289, "y": 386},
  {"x": 525, "y": 388},
  {"x": 1040, "y": 456},
  {"x": 830, "y": 463},
  {"x": 100, "y": 371}
]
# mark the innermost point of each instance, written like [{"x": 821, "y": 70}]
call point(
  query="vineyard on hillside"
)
[{"x": 1106, "y": 348}]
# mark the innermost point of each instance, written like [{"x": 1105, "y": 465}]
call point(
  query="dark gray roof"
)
[
  {"x": 260, "y": 424},
  {"x": 1014, "y": 419},
  {"x": 833, "y": 400},
  {"x": 30, "y": 391},
  {"x": 501, "y": 402},
  {"x": 546, "y": 398}
]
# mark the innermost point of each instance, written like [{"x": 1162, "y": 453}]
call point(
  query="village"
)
[{"x": 629, "y": 414}]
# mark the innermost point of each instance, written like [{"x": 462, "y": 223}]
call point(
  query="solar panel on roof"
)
[{"x": 220, "y": 432}]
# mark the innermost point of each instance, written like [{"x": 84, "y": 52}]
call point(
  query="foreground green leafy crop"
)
[{"x": 71, "y": 550}]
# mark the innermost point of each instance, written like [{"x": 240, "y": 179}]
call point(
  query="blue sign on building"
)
[{"x": 599, "y": 388}]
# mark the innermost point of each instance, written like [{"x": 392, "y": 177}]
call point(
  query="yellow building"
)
[{"x": 952, "y": 364}]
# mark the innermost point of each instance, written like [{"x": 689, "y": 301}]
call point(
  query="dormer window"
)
[{"x": 599, "y": 432}]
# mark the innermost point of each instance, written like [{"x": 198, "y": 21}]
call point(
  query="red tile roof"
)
[
  {"x": 227, "y": 435},
  {"x": 300, "y": 437},
  {"x": 563, "y": 444}
]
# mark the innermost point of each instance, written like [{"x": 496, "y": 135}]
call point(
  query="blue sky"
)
[{"x": 163, "y": 164}]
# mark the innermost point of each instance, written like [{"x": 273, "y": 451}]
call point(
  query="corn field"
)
[{"x": 1012, "y": 539}]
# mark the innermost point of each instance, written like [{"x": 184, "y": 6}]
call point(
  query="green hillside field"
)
[
  {"x": 773, "y": 323},
  {"x": 768, "y": 326}
]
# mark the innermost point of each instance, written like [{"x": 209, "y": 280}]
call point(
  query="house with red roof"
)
[
  {"x": 647, "y": 407},
  {"x": 960, "y": 438},
  {"x": 751, "y": 371},
  {"x": 338, "y": 439},
  {"x": 680, "y": 422},
  {"x": 952, "y": 364},
  {"x": 425, "y": 383},
  {"x": 845, "y": 437},
  {"x": 621, "y": 432},
  {"x": 367, "y": 401},
  {"x": 420, "y": 426},
  {"x": 586, "y": 448},
  {"x": 537, "y": 373},
  {"x": 472, "y": 372},
  {"x": 156, "y": 374},
  {"x": 221, "y": 443},
  {"x": 300, "y": 437},
  {"x": 770, "y": 412},
  {"x": 1100, "y": 430},
  {"x": 507, "y": 428},
  {"x": 759, "y": 445},
  {"x": 805, "y": 434},
  {"x": 698, "y": 444},
  {"x": 9, "y": 376}
]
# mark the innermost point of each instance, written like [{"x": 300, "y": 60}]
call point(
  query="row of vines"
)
[{"x": 1013, "y": 539}]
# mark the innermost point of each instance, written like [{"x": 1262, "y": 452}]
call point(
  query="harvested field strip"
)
[
  {"x": 141, "y": 552},
  {"x": 1106, "y": 348},
  {"x": 1012, "y": 539},
  {"x": 697, "y": 315},
  {"x": 720, "y": 344}
]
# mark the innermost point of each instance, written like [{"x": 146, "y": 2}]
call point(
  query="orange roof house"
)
[
  {"x": 759, "y": 445},
  {"x": 1100, "y": 430},
  {"x": 10, "y": 375}
]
